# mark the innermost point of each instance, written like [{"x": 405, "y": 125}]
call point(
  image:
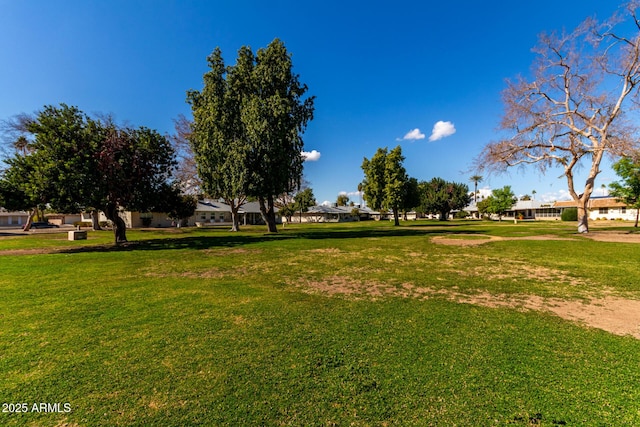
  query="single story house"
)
[
  {"x": 525, "y": 209},
  {"x": 212, "y": 212},
  {"x": 603, "y": 207},
  {"x": 136, "y": 219},
  {"x": 334, "y": 213},
  {"x": 13, "y": 219}
]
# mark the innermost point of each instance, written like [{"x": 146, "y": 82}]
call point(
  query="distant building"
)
[
  {"x": 13, "y": 218},
  {"x": 603, "y": 207}
]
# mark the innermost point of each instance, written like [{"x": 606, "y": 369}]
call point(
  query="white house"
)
[{"x": 603, "y": 208}]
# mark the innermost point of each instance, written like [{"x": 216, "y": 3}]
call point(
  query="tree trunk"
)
[
  {"x": 396, "y": 217},
  {"x": 583, "y": 217},
  {"x": 95, "y": 220},
  {"x": 637, "y": 215},
  {"x": 235, "y": 217},
  {"x": 119, "y": 227},
  {"x": 27, "y": 226},
  {"x": 268, "y": 214},
  {"x": 444, "y": 215}
]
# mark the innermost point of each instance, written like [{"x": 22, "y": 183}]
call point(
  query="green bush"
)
[{"x": 569, "y": 214}]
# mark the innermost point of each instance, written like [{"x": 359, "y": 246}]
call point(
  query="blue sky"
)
[{"x": 379, "y": 70}]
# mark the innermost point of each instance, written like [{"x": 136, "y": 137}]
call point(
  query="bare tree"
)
[
  {"x": 577, "y": 105},
  {"x": 187, "y": 170}
]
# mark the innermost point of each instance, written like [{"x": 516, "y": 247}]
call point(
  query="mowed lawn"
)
[{"x": 318, "y": 325}]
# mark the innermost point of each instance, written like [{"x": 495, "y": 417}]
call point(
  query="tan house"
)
[{"x": 603, "y": 208}]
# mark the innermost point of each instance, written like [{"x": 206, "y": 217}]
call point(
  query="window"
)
[
  {"x": 623, "y": 210},
  {"x": 603, "y": 211}
]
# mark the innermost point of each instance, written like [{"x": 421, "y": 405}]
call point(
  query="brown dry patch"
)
[
  {"x": 473, "y": 265},
  {"x": 37, "y": 251},
  {"x": 325, "y": 250},
  {"x": 232, "y": 251},
  {"x": 210, "y": 273},
  {"x": 480, "y": 239},
  {"x": 613, "y": 236},
  {"x": 464, "y": 239},
  {"x": 616, "y": 315},
  {"x": 613, "y": 314}
]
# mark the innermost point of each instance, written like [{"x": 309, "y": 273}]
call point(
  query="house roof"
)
[
  {"x": 594, "y": 203},
  {"x": 344, "y": 210},
  {"x": 218, "y": 206},
  {"x": 212, "y": 206}
]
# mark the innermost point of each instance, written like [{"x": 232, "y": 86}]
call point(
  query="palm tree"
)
[
  {"x": 360, "y": 193},
  {"x": 534, "y": 194},
  {"x": 475, "y": 179},
  {"x": 22, "y": 145}
]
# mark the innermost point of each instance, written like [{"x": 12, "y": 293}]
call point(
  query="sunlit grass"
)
[{"x": 208, "y": 327}]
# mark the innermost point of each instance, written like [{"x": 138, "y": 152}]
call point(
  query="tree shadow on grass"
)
[{"x": 232, "y": 241}]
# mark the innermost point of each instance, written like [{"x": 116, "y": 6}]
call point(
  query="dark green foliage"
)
[
  {"x": 569, "y": 214},
  {"x": 499, "y": 202},
  {"x": 441, "y": 197},
  {"x": 411, "y": 199},
  {"x": 74, "y": 163},
  {"x": 248, "y": 126},
  {"x": 385, "y": 181},
  {"x": 628, "y": 168},
  {"x": 181, "y": 206},
  {"x": 303, "y": 200}
]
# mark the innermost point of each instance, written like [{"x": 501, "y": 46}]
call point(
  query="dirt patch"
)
[
  {"x": 612, "y": 314},
  {"x": 616, "y": 315},
  {"x": 325, "y": 251},
  {"x": 613, "y": 236},
  {"x": 38, "y": 251},
  {"x": 480, "y": 239}
]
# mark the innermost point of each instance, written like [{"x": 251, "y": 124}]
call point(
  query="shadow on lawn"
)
[{"x": 231, "y": 241}]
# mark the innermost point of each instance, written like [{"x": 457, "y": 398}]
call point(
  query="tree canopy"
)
[
  {"x": 576, "y": 106},
  {"x": 248, "y": 126},
  {"x": 385, "y": 181},
  {"x": 628, "y": 190},
  {"x": 499, "y": 202},
  {"x": 441, "y": 197},
  {"x": 75, "y": 163}
]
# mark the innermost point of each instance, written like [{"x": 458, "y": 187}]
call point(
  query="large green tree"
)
[
  {"x": 385, "y": 181},
  {"x": 441, "y": 197},
  {"x": 75, "y": 163},
  {"x": 274, "y": 115},
  {"x": 628, "y": 191},
  {"x": 248, "y": 125},
  {"x": 217, "y": 138},
  {"x": 499, "y": 202}
]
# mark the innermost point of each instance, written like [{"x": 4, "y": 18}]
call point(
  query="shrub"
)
[{"x": 570, "y": 214}]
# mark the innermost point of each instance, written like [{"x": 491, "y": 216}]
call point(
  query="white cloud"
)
[
  {"x": 413, "y": 135},
  {"x": 552, "y": 196},
  {"x": 441, "y": 130},
  {"x": 311, "y": 156},
  {"x": 326, "y": 203}
]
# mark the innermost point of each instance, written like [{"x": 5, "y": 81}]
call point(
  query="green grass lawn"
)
[{"x": 206, "y": 327}]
